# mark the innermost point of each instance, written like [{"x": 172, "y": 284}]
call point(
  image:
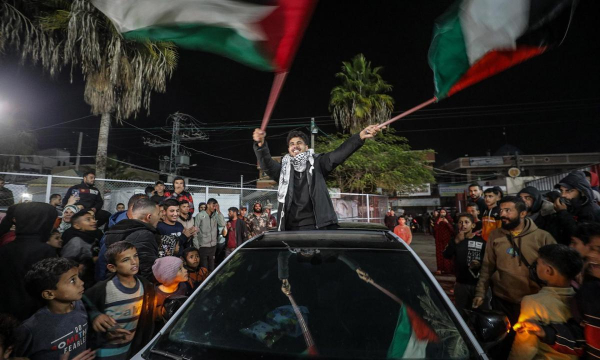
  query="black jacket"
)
[
  {"x": 319, "y": 194},
  {"x": 542, "y": 213},
  {"x": 95, "y": 304},
  {"x": 89, "y": 196},
  {"x": 6, "y": 197},
  {"x": 143, "y": 236},
  {"x": 240, "y": 231},
  {"x": 582, "y": 209},
  {"x": 34, "y": 221}
]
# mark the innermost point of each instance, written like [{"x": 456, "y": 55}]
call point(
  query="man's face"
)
[
  {"x": 86, "y": 223},
  {"x": 120, "y": 207},
  {"x": 89, "y": 179},
  {"x": 56, "y": 201},
  {"x": 67, "y": 215},
  {"x": 159, "y": 188},
  {"x": 579, "y": 246},
  {"x": 490, "y": 199},
  {"x": 473, "y": 210},
  {"x": 474, "y": 192},
  {"x": 465, "y": 224},
  {"x": 528, "y": 199},
  {"x": 231, "y": 214},
  {"x": 202, "y": 207},
  {"x": 68, "y": 289},
  {"x": 593, "y": 256},
  {"x": 178, "y": 185},
  {"x": 172, "y": 213},
  {"x": 257, "y": 208},
  {"x": 569, "y": 193},
  {"x": 184, "y": 209},
  {"x": 296, "y": 146},
  {"x": 211, "y": 207},
  {"x": 127, "y": 263},
  {"x": 243, "y": 212},
  {"x": 155, "y": 216},
  {"x": 509, "y": 216}
]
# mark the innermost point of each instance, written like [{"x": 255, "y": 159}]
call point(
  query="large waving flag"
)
[
  {"x": 262, "y": 36},
  {"x": 476, "y": 39}
]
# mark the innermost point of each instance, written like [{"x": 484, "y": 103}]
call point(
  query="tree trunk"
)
[{"x": 101, "y": 153}]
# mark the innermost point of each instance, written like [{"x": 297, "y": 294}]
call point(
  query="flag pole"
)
[
  {"x": 275, "y": 91},
  {"x": 408, "y": 112}
]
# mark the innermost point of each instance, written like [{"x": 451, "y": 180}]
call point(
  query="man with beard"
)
[
  {"x": 390, "y": 220},
  {"x": 539, "y": 210},
  {"x": 476, "y": 196},
  {"x": 304, "y": 202},
  {"x": 258, "y": 221},
  {"x": 575, "y": 205},
  {"x": 510, "y": 251}
]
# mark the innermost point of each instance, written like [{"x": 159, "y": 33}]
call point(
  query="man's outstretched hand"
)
[
  {"x": 369, "y": 132},
  {"x": 259, "y": 136}
]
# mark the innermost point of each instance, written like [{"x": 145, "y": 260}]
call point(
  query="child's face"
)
[
  {"x": 86, "y": 223},
  {"x": 68, "y": 289},
  {"x": 402, "y": 221},
  {"x": 465, "y": 225},
  {"x": 127, "y": 263},
  {"x": 55, "y": 241},
  {"x": 172, "y": 213},
  {"x": 593, "y": 256},
  {"x": 490, "y": 199},
  {"x": 192, "y": 259},
  {"x": 542, "y": 269},
  {"x": 182, "y": 275},
  {"x": 579, "y": 246}
]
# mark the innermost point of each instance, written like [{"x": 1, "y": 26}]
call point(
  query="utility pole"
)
[
  {"x": 78, "y": 151},
  {"x": 241, "y": 190},
  {"x": 184, "y": 128}
]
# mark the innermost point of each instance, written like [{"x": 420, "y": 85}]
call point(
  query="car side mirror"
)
[{"x": 489, "y": 326}]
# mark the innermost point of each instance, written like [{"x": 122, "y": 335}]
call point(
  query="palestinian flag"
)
[
  {"x": 476, "y": 39},
  {"x": 411, "y": 336},
  {"x": 264, "y": 36}
]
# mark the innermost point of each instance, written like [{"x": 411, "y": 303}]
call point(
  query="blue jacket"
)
[{"x": 100, "y": 269}]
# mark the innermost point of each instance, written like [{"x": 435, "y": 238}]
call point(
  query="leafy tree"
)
[
  {"x": 361, "y": 99},
  {"x": 386, "y": 163},
  {"x": 120, "y": 75}
]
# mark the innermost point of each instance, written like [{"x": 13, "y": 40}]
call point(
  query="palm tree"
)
[
  {"x": 119, "y": 74},
  {"x": 360, "y": 100}
]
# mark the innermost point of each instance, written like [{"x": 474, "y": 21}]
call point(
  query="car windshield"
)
[{"x": 322, "y": 302}]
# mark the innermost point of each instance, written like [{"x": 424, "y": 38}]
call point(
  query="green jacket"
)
[{"x": 207, "y": 228}]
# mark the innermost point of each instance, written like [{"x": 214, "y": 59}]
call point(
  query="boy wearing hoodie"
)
[
  {"x": 121, "y": 308},
  {"x": 490, "y": 219}
]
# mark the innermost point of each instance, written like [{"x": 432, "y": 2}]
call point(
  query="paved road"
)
[{"x": 424, "y": 246}]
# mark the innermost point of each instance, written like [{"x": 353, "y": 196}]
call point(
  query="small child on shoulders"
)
[
  {"x": 191, "y": 261},
  {"x": 59, "y": 329}
]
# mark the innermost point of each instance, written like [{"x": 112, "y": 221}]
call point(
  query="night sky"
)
[{"x": 549, "y": 104}]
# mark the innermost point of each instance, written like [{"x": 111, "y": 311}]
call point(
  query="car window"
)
[{"x": 355, "y": 304}]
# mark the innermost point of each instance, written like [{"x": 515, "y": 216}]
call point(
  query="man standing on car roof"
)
[{"x": 304, "y": 202}]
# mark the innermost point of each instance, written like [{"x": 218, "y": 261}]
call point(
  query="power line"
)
[{"x": 50, "y": 126}]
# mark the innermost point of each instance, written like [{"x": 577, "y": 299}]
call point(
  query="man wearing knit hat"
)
[{"x": 172, "y": 276}]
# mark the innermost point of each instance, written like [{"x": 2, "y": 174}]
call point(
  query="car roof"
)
[{"x": 339, "y": 238}]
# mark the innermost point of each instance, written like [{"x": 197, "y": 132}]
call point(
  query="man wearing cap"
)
[
  {"x": 159, "y": 192},
  {"x": 575, "y": 205},
  {"x": 304, "y": 202}
]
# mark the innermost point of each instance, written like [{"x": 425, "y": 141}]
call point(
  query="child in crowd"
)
[
  {"x": 59, "y": 329},
  {"x": 55, "y": 240},
  {"x": 467, "y": 249},
  {"x": 173, "y": 279},
  {"x": 81, "y": 244},
  {"x": 196, "y": 273},
  {"x": 403, "y": 230},
  {"x": 178, "y": 237},
  {"x": 555, "y": 267},
  {"x": 121, "y": 308},
  {"x": 8, "y": 325},
  {"x": 491, "y": 216}
]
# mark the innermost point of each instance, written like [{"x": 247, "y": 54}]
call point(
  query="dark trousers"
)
[
  {"x": 207, "y": 257},
  {"x": 512, "y": 310},
  {"x": 463, "y": 298}
]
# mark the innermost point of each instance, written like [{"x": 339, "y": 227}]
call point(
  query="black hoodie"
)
[
  {"x": 542, "y": 212},
  {"x": 582, "y": 209},
  {"x": 34, "y": 222},
  {"x": 143, "y": 236}
]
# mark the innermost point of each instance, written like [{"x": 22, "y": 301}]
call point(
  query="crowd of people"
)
[
  {"x": 107, "y": 281},
  {"x": 533, "y": 257}
]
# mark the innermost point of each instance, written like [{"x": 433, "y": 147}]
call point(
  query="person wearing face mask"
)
[
  {"x": 304, "y": 202},
  {"x": 510, "y": 251}
]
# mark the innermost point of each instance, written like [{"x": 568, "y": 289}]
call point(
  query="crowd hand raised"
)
[
  {"x": 477, "y": 302},
  {"x": 103, "y": 322},
  {"x": 370, "y": 132},
  {"x": 529, "y": 327},
  {"x": 259, "y": 136}
]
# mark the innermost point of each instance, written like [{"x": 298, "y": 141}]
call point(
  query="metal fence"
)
[
  {"x": 38, "y": 187},
  {"x": 547, "y": 183}
]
